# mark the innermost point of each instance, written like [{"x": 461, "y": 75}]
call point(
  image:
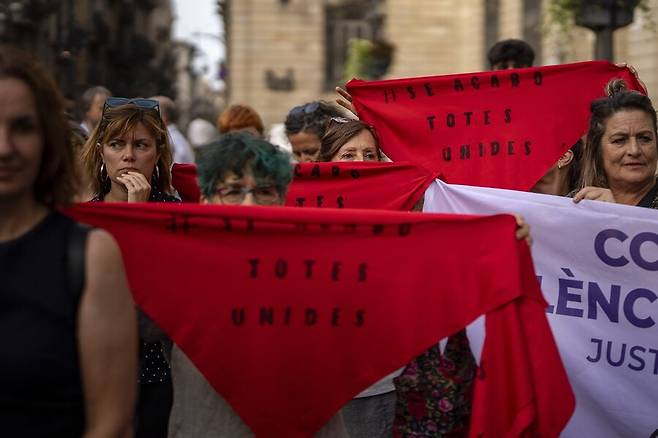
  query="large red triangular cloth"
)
[
  {"x": 291, "y": 312},
  {"x": 385, "y": 186},
  {"x": 495, "y": 129}
]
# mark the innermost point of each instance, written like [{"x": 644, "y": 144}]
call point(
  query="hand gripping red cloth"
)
[
  {"x": 385, "y": 186},
  {"x": 500, "y": 129},
  {"x": 289, "y": 312}
]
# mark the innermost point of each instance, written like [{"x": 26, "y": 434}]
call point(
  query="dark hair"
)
[
  {"x": 619, "y": 98},
  {"x": 115, "y": 122},
  {"x": 311, "y": 117},
  {"x": 237, "y": 117},
  {"x": 78, "y": 136},
  {"x": 517, "y": 51},
  {"x": 56, "y": 183},
  {"x": 233, "y": 153},
  {"x": 89, "y": 95},
  {"x": 575, "y": 166},
  {"x": 340, "y": 132}
]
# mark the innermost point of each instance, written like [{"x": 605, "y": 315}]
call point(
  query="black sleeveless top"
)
[{"x": 40, "y": 387}]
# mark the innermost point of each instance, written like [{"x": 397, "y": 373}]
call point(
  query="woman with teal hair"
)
[
  {"x": 243, "y": 169},
  {"x": 237, "y": 169}
]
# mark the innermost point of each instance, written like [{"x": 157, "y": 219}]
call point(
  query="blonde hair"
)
[{"x": 117, "y": 122}]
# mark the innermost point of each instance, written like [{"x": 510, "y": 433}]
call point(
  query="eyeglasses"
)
[
  {"x": 263, "y": 195},
  {"x": 308, "y": 108},
  {"x": 147, "y": 104}
]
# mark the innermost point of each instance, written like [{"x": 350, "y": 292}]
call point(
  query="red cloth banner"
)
[
  {"x": 184, "y": 180},
  {"x": 500, "y": 129},
  {"x": 385, "y": 186},
  {"x": 291, "y": 312}
]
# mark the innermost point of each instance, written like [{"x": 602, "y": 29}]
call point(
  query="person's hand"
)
[
  {"x": 594, "y": 194},
  {"x": 523, "y": 229},
  {"x": 138, "y": 187},
  {"x": 634, "y": 72},
  {"x": 345, "y": 101}
]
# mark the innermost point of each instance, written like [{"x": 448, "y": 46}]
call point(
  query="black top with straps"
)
[
  {"x": 154, "y": 368},
  {"x": 41, "y": 391}
]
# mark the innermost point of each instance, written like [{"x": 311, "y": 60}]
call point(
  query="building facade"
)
[
  {"x": 282, "y": 53},
  {"x": 125, "y": 46}
]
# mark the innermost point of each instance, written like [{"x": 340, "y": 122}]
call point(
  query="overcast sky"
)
[{"x": 198, "y": 23}]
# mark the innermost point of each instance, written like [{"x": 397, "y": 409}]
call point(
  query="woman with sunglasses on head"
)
[
  {"x": 305, "y": 127},
  {"x": 127, "y": 157},
  {"x": 67, "y": 325}
]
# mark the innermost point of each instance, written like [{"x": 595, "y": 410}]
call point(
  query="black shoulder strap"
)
[{"x": 75, "y": 258}]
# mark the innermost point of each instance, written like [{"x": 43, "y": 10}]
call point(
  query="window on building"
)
[
  {"x": 532, "y": 26},
  {"x": 491, "y": 23},
  {"x": 345, "y": 20}
]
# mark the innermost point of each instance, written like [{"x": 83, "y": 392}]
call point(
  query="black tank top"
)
[{"x": 40, "y": 386}]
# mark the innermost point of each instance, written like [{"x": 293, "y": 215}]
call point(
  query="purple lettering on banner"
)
[
  {"x": 608, "y": 355},
  {"x": 564, "y": 297},
  {"x": 598, "y": 350},
  {"x": 629, "y": 308},
  {"x": 596, "y": 297},
  {"x": 655, "y": 360},
  {"x": 599, "y": 247},
  {"x": 640, "y": 360},
  {"x": 636, "y": 255}
]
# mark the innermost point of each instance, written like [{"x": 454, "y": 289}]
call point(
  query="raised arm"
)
[{"x": 107, "y": 336}]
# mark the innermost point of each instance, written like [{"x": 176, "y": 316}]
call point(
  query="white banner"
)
[{"x": 598, "y": 267}]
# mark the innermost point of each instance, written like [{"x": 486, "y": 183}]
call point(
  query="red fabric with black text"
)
[
  {"x": 291, "y": 312},
  {"x": 476, "y": 133},
  {"x": 386, "y": 186}
]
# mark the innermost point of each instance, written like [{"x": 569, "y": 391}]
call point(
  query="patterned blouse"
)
[
  {"x": 154, "y": 368},
  {"x": 435, "y": 391}
]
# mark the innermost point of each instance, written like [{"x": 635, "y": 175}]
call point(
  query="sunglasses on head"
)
[
  {"x": 147, "y": 104},
  {"x": 340, "y": 120},
  {"x": 308, "y": 108}
]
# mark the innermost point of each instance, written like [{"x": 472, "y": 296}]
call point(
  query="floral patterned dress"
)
[{"x": 434, "y": 392}]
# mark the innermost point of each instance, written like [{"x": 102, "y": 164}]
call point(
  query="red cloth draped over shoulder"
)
[
  {"x": 500, "y": 129},
  {"x": 385, "y": 186},
  {"x": 291, "y": 312}
]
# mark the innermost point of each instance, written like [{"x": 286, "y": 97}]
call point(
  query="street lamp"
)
[{"x": 604, "y": 17}]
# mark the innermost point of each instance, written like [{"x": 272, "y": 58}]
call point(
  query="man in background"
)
[
  {"x": 92, "y": 103},
  {"x": 510, "y": 53},
  {"x": 182, "y": 150}
]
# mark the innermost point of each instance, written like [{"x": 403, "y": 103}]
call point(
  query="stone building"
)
[
  {"x": 125, "y": 46},
  {"x": 282, "y": 53}
]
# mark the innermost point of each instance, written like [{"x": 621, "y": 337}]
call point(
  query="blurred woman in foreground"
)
[{"x": 67, "y": 324}]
